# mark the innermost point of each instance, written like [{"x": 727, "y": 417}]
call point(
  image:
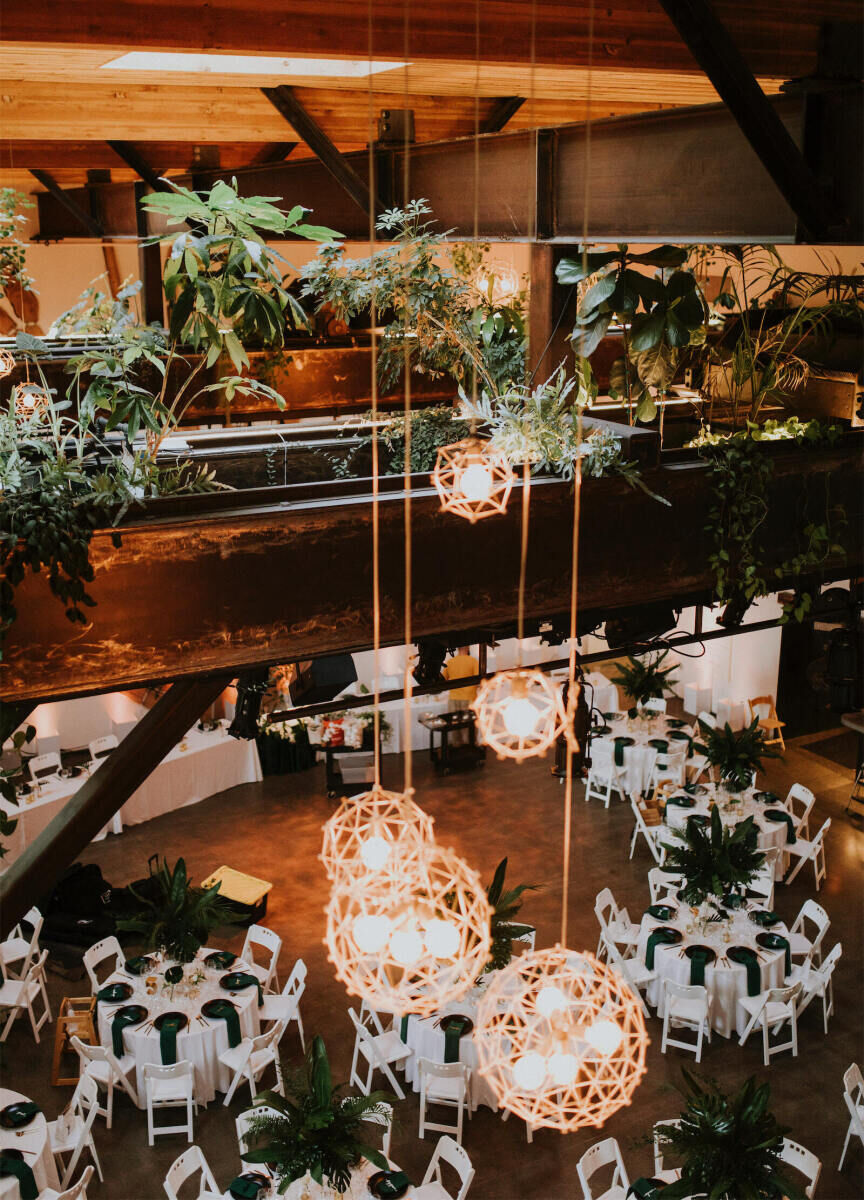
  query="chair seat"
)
[
  {"x": 637, "y": 973},
  {"x": 438, "y": 1088},
  {"x": 774, "y": 1011},
  {"x": 102, "y": 1071},
  {"x": 262, "y": 974},
  {"x": 798, "y": 944},
  {"x": 690, "y": 1011},
  {"x": 390, "y": 1046},
  {"x": 278, "y": 1008},
  {"x": 428, "y": 1191},
  {"x": 13, "y": 949},
  {"x": 63, "y": 1138},
  {"x": 164, "y": 1090},
  {"x": 13, "y": 993},
  {"x": 261, "y": 1059},
  {"x": 628, "y": 934},
  {"x": 236, "y": 1056}
]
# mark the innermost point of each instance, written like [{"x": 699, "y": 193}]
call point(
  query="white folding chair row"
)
[
  {"x": 804, "y": 943},
  {"x": 600, "y": 1156},
  {"x": 190, "y": 1163},
  {"x": 685, "y": 1006},
  {"x": 285, "y": 1005},
  {"x": 432, "y": 1188},
  {"x": 72, "y": 1132},
  {"x": 853, "y": 1098},
  {"x": 20, "y": 948},
  {"x": 250, "y": 1059},
  {"x": 169, "y": 1086},
  {"x": 802, "y": 1160},
  {"x": 381, "y": 1051},
  {"x": 809, "y": 851},
  {"x": 615, "y": 926},
  {"x": 662, "y": 885},
  {"x": 651, "y": 833},
  {"x": 604, "y": 777},
  {"x": 818, "y": 982},
  {"x": 444, "y": 1084},
  {"x": 109, "y": 1072},
  {"x": 271, "y": 943},
  {"x": 108, "y": 950},
  {"x": 800, "y": 798},
  {"x": 772, "y": 1009},
  {"x": 78, "y": 1191},
  {"x": 21, "y": 995}
]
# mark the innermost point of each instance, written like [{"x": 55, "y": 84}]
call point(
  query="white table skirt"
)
[
  {"x": 639, "y": 758},
  {"x": 197, "y": 1043},
  {"x": 212, "y": 762},
  {"x": 772, "y": 835},
  {"x": 427, "y": 1041},
  {"x": 33, "y": 1142},
  {"x": 725, "y": 981}
]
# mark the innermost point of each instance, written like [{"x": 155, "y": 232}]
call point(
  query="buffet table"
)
[{"x": 32, "y": 1141}]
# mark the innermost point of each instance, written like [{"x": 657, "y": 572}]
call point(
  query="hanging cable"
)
[{"x": 376, "y": 533}]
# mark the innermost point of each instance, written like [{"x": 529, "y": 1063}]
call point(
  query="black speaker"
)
[{"x": 323, "y": 679}]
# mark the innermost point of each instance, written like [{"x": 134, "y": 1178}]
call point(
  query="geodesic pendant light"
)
[
  {"x": 7, "y": 362},
  {"x": 519, "y": 713},
  {"x": 373, "y": 830},
  {"x": 472, "y": 480}
]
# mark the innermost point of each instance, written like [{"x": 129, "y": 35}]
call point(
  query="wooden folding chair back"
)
[
  {"x": 763, "y": 709},
  {"x": 76, "y": 1019}
]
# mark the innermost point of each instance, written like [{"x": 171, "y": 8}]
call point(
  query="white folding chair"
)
[
  {"x": 251, "y": 1058},
  {"x": 658, "y": 1144},
  {"x": 762, "y": 883},
  {"x": 266, "y": 939},
  {"x": 109, "y": 1072},
  {"x": 685, "y": 1007},
  {"x": 78, "y": 1191},
  {"x": 382, "y": 1119},
  {"x": 669, "y": 766},
  {"x": 810, "y": 851},
  {"x": 802, "y": 798},
  {"x": 818, "y": 982},
  {"x": 190, "y": 1163},
  {"x": 444, "y": 1084},
  {"x": 656, "y": 704},
  {"x": 634, "y": 972},
  {"x": 662, "y": 885},
  {"x": 99, "y": 953},
  {"x": 802, "y": 945},
  {"x": 43, "y": 767},
  {"x": 853, "y": 1097},
  {"x": 285, "y": 1006},
  {"x": 20, "y": 995},
  {"x": 101, "y": 747},
  {"x": 597, "y": 1158},
  {"x": 19, "y": 949},
  {"x": 603, "y": 775},
  {"x": 169, "y": 1087},
  {"x": 804, "y": 1161},
  {"x": 772, "y": 1009},
  {"x": 615, "y": 926},
  {"x": 707, "y": 718},
  {"x": 432, "y": 1187},
  {"x": 651, "y": 834},
  {"x": 72, "y": 1132},
  {"x": 244, "y": 1121},
  {"x": 381, "y": 1051}
]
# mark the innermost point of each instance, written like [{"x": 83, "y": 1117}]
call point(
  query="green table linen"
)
[
  {"x": 121, "y": 1021},
  {"x": 646, "y": 1189},
  {"x": 620, "y": 744},
  {"x": 780, "y": 814},
  {"x": 225, "y": 1011},
  {"x": 747, "y": 958},
  {"x": 393, "y": 1184},
  {"x": 170, "y": 1026},
  {"x": 11, "y": 1165},
  {"x": 660, "y": 937},
  {"x": 700, "y": 957},
  {"x": 776, "y": 941},
  {"x": 454, "y": 1028},
  {"x": 244, "y": 1189},
  {"x": 238, "y": 981}
]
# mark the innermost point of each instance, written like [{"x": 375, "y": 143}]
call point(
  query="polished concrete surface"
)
[{"x": 272, "y": 830}]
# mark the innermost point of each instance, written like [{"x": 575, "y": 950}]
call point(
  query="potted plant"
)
[
  {"x": 174, "y": 916},
  {"x": 736, "y": 756},
  {"x": 505, "y": 906},
  {"x": 730, "y": 1145},
  {"x": 314, "y": 1129},
  {"x": 645, "y": 678},
  {"x": 714, "y": 859}
]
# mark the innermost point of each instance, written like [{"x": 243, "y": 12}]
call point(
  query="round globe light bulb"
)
[
  {"x": 475, "y": 482},
  {"x": 519, "y": 716},
  {"x": 406, "y": 946},
  {"x": 371, "y": 933},
  {"x": 550, "y": 1000},
  {"x": 563, "y": 1068},
  {"x": 604, "y": 1035},
  {"x": 442, "y": 938},
  {"x": 374, "y": 852},
  {"x": 529, "y": 1071}
]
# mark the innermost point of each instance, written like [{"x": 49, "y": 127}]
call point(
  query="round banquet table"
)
[
  {"x": 640, "y": 757},
  {"x": 725, "y": 981},
  {"x": 33, "y": 1142},
  {"x": 201, "y": 1041},
  {"x": 426, "y": 1039},
  {"x": 772, "y": 834},
  {"x": 307, "y": 1189}
]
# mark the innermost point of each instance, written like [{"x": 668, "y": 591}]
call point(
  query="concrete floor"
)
[{"x": 272, "y": 830}]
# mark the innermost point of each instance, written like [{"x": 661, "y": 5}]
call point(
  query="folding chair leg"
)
[
  {"x": 13, "y": 1014},
  {"x": 300, "y": 1029},
  {"x": 845, "y": 1147}
]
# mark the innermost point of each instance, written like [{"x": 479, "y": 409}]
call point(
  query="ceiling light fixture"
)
[
  {"x": 248, "y": 64},
  {"x": 372, "y": 831}
]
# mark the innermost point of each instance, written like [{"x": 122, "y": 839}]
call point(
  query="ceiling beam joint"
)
[
  {"x": 501, "y": 112},
  {"x": 84, "y": 218}
]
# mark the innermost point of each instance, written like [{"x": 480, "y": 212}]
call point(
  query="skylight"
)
[{"x": 248, "y": 64}]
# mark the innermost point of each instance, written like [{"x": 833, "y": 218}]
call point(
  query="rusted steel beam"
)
[
  {"x": 236, "y": 586},
  {"x": 103, "y": 794}
]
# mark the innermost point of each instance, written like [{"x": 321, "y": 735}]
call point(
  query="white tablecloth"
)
[
  {"x": 211, "y": 762},
  {"x": 726, "y": 981},
  {"x": 33, "y": 1143},
  {"x": 200, "y": 1042},
  {"x": 639, "y": 758},
  {"x": 308, "y": 1189},
  {"x": 772, "y": 835},
  {"x": 426, "y": 1039}
]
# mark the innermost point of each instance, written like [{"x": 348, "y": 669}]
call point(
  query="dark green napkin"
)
[
  {"x": 392, "y": 1184},
  {"x": 661, "y": 912},
  {"x": 403, "y": 1028},
  {"x": 137, "y": 966},
  {"x": 699, "y": 819},
  {"x": 226, "y": 1012},
  {"x": 174, "y": 975},
  {"x": 244, "y": 1189},
  {"x": 659, "y": 744},
  {"x": 659, "y": 937},
  {"x": 699, "y": 957},
  {"x": 765, "y": 918},
  {"x": 239, "y": 981},
  {"x": 172, "y": 1023},
  {"x": 767, "y": 797},
  {"x": 632, "y": 713},
  {"x": 747, "y": 957},
  {"x": 776, "y": 941},
  {"x": 610, "y": 716},
  {"x": 682, "y": 801},
  {"x": 678, "y": 735},
  {"x": 620, "y": 743},
  {"x": 695, "y": 789},
  {"x": 121, "y": 1021},
  {"x": 11, "y": 1165},
  {"x": 780, "y": 814},
  {"x": 220, "y": 958},
  {"x": 455, "y": 1028},
  {"x": 25, "y": 1111},
  {"x": 646, "y": 1189},
  {"x": 732, "y": 901},
  {"x": 675, "y": 723}
]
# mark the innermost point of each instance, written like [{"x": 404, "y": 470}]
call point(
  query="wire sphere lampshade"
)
[
  {"x": 28, "y": 398},
  {"x": 519, "y": 713},
  {"x": 372, "y": 831},
  {"x": 411, "y": 937},
  {"x": 561, "y": 1039},
  {"x": 7, "y": 362},
  {"x": 472, "y": 480}
]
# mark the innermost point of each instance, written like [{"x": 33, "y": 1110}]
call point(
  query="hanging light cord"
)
[
  {"x": 376, "y": 534},
  {"x": 406, "y": 372}
]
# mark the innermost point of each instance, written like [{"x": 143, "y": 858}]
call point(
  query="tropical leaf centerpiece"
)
[
  {"x": 735, "y": 755},
  {"x": 505, "y": 906},
  {"x": 645, "y": 678},
  {"x": 730, "y": 1145},
  {"x": 715, "y": 858},
  {"x": 173, "y": 916},
  {"x": 314, "y": 1128}
]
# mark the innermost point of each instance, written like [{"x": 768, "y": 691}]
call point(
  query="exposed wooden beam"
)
[
  {"x": 272, "y": 152},
  {"x": 133, "y": 158},
  {"x": 719, "y": 57},
  {"x": 500, "y": 113},
  {"x": 92, "y": 226},
  {"x": 13, "y": 715},
  {"x": 307, "y": 128},
  {"x": 103, "y": 794}
]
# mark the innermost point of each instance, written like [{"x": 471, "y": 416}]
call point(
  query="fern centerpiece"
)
[
  {"x": 314, "y": 1128},
  {"x": 174, "y": 916},
  {"x": 645, "y": 678},
  {"x": 505, "y": 906},
  {"x": 730, "y": 1145},
  {"x": 735, "y": 755},
  {"x": 714, "y": 859}
]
